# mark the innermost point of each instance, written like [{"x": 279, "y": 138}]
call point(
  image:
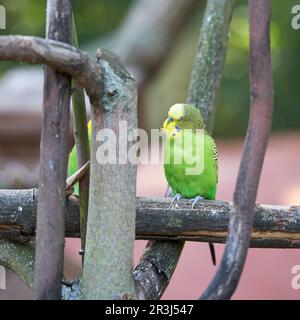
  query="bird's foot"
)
[
  {"x": 195, "y": 200},
  {"x": 176, "y": 199}
]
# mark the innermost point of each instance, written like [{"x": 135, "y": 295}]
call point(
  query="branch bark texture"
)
[{"x": 273, "y": 226}]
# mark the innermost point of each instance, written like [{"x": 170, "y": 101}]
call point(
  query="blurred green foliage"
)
[{"x": 95, "y": 18}]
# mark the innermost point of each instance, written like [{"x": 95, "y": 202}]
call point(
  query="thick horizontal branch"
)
[
  {"x": 274, "y": 226},
  {"x": 60, "y": 56}
]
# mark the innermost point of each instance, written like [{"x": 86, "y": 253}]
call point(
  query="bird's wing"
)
[{"x": 215, "y": 151}]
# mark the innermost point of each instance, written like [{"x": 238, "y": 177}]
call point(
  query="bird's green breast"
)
[{"x": 197, "y": 174}]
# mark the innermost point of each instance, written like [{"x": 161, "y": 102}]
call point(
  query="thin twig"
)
[
  {"x": 82, "y": 145},
  {"x": 77, "y": 176}
]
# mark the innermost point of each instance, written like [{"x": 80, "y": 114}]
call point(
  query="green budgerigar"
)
[{"x": 187, "y": 138}]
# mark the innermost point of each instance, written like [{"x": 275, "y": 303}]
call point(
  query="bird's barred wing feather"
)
[
  {"x": 215, "y": 152},
  {"x": 216, "y": 158}
]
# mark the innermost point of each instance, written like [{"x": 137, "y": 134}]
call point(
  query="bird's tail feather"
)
[{"x": 212, "y": 253}]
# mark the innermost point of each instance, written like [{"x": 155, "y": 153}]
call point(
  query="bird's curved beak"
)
[
  {"x": 167, "y": 122},
  {"x": 168, "y": 125}
]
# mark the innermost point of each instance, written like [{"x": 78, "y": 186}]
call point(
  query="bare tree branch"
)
[
  {"x": 273, "y": 226},
  {"x": 111, "y": 220},
  {"x": 53, "y": 163},
  {"x": 227, "y": 277},
  {"x": 18, "y": 215},
  {"x": 77, "y": 176}
]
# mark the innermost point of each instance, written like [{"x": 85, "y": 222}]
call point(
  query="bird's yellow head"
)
[{"x": 182, "y": 116}]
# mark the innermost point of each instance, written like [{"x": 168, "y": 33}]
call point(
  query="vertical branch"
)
[
  {"x": 240, "y": 226},
  {"x": 110, "y": 237},
  {"x": 53, "y": 162},
  {"x": 82, "y": 144},
  {"x": 158, "y": 264}
]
